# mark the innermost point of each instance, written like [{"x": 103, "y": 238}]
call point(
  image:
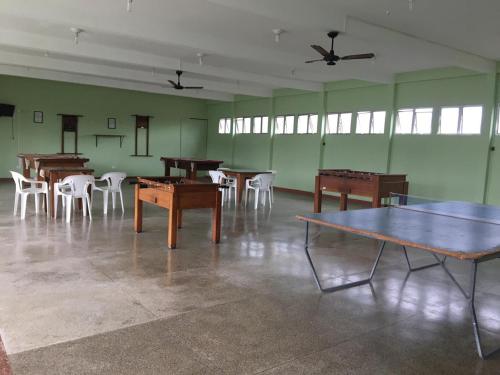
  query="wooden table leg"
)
[
  {"x": 318, "y": 194},
  {"x": 179, "y": 218},
  {"x": 172, "y": 225},
  {"x": 240, "y": 185},
  {"x": 343, "y": 202},
  {"x": 137, "y": 211},
  {"x": 216, "y": 218}
]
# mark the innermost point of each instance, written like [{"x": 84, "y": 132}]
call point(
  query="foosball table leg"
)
[
  {"x": 172, "y": 226},
  {"x": 137, "y": 211},
  {"x": 216, "y": 218}
]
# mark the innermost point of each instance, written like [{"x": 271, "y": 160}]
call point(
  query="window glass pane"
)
[
  {"x": 222, "y": 126},
  {"x": 363, "y": 123},
  {"x": 471, "y": 120},
  {"x": 265, "y": 124},
  {"x": 423, "y": 121},
  {"x": 257, "y": 124},
  {"x": 344, "y": 126},
  {"x": 449, "y": 120},
  {"x": 312, "y": 127},
  {"x": 378, "y": 122},
  {"x": 247, "y": 125},
  {"x": 331, "y": 123},
  {"x": 279, "y": 125},
  {"x": 239, "y": 125},
  {"x": 404, "y": 121},
  {"x": 289, "y": 124},
  {"x": 302, "y": 124}
]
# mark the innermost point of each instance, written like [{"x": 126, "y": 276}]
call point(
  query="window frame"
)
[
  {"x": 284, "y": 124},
  {"x": 460, "y": 120},
  {"x": 414, "y": 119},
  {"x": 339, "y": 116},
  {"x": 261, "y": 122},
  {"x": 236, "y": 130},
  {"x": 227, "y": 130},
  {"x": 371, "y": 124},
  {"x": 309, "y": 115}
]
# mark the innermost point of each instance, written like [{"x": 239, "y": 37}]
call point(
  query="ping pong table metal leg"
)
[
  {"x": 475, "y": 325},
  {"x": 413, "y": 269},
  {"x": 346, "y": 285}
]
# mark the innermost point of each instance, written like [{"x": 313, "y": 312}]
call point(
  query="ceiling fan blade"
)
[
  {"x": 172, "y": 83},
  {"x": 311, "y": 61},
  {"x": 320, "y": 50},
  {"x": 193, "y": 87},
  {"x": 358, "y": 57}
]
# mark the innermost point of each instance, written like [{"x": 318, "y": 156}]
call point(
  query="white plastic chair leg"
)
[
  {"x": 246, "y": 196},
  {"x": 256, "y": 203},
  {"x": 36, "y": 203},
  {"x": 105, "y": 195},
  {"x": 88, "y": 202},
  {"x": 113, "y": 198},
  {"x": 121, "y": 201},
  {"x": 84, "y": 206},
  {"x": 270, "y": 192},
  {"x": 24, "y": 197},
  {"x": 235, "y": 198},
  {"x": 56, "y": 201},
  {"x": 16, "y": 200},
  {"x": 68, "y": 209}
]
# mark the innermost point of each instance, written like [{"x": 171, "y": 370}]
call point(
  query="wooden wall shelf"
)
[
  {"x": 97, "y": 136},
  {"x": 141, "y": 156}
]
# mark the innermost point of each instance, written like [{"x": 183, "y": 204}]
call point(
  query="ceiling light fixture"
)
[
  {"x": 200, "y": 57},
  {"x": 129, "y": 5},
  {"x": 77, "y": 31},
  {"x": 277, "y": 33}
]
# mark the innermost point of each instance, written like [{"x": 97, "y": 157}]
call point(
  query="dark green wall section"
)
[
  {"x": 440, "y": 166},
  {"x": 173, "y": 132}
]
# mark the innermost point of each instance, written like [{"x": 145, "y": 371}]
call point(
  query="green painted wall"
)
[
  {"x": 445, "y": 167},
  {"x": 171, "y": 134}
]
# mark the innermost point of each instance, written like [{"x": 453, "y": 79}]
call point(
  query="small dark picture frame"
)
[
  {"x": 111, "y": 123},
  {"x": 38, "y": 117}
]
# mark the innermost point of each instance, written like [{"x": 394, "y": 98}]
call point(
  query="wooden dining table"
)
[
  {"x": 241, "y": 175},
  {"x": 37, "y": 162},
  {"x": 55, "y": 174}
]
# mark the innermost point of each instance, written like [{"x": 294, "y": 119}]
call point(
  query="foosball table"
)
[
  {"x": 365, "y": 184},
  {"x": 177, "y": 194}
]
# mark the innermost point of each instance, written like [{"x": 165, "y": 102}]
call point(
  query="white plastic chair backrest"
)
[
  {"x": 78, "y": 184},
  {"x": 18, "y": 180},
  {"x": 115, "y": 179},
  {"x": 216, "y": 176},
  {"x": 264, "y": 180}
]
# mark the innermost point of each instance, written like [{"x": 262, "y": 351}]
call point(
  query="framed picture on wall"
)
[
  {"x": 111, "y": 123},
  {"x": 38, "y": 117}
]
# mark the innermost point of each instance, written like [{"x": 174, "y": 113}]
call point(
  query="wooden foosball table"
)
[
  {"x": 365, "y": 184},
  {"x": 177, "y": 194}
]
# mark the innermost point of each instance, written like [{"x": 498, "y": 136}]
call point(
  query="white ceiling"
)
[{"x": 141, "y": 49}]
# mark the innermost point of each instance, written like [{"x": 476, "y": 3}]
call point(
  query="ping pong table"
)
[{"x": 465, "y": 231}]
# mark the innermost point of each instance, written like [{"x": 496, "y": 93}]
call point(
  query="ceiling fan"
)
[
  {"x": 178, "y": 85},
  {"x": 331, "y": 58}
]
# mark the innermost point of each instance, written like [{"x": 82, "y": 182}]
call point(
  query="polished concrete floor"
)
[{"x": 95, "y": 298}]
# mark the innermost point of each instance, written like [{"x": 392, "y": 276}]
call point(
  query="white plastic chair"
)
[
  {"x": 260, "y": 183},
  {"x": 226, "y": 184},
  {"x": 114, "y": 185},
  {"x": 23, "y": 192},
  {"x": 75, "y": 187}
]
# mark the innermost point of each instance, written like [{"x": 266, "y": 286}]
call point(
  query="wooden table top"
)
[
  {"x": 4, "y": 361},
  {"x": 461, "y": 230}
]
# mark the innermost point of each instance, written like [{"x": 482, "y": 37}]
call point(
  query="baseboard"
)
[{"x": 325, "y": 196}]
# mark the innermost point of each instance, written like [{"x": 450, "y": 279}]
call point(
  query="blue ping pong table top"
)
[{"x": 461, "y": 230}]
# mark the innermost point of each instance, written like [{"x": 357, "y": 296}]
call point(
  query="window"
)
[
  {"x": 414, "y": 121},
  {"x": 461, "y": 120},
  {"x": 284, "y": 124},
  {"x": 225, "y": 126},
  {"x": 243, "y": 125},
  {"x": 260, "y": 125},
  {"x": 338, "y": 123},
  {"x": 307, "y": 124},
  {"x": 370, "y": 122}
]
